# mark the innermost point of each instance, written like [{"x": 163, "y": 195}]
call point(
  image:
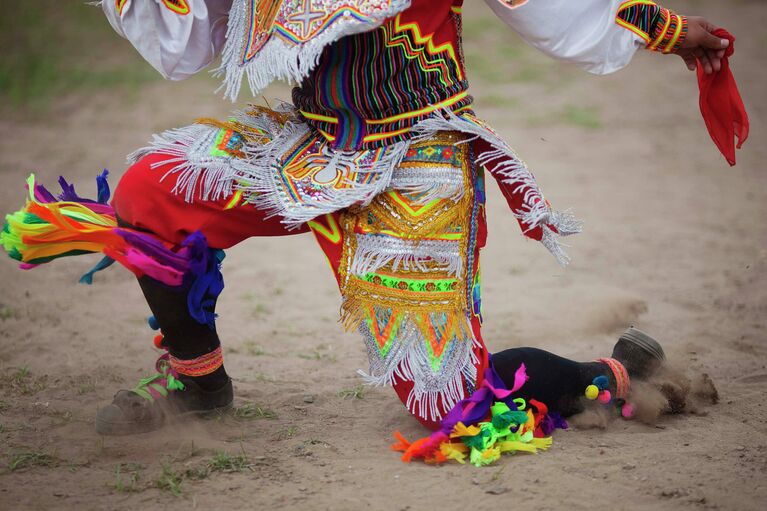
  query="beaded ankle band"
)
[
  {"x": 599, "y": 388},
  {"x": 622, "y": 382},
  {"x": 200, "y": 366}
]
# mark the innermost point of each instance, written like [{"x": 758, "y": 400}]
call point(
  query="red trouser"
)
[{"x": 146, "y": 201}]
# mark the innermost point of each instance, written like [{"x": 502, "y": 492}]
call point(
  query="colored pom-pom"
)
[
  {"x": 158, "y": 341},
  {"x": 152, "y": 322},
  {"x": 604, "y": 397},
  {"x": 627, "y": 411},
  {"x": 601, "y": 382},
  {"x": 592, "y": 392}
]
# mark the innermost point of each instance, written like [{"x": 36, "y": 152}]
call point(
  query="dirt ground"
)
[{"x": 674, "y": 242}]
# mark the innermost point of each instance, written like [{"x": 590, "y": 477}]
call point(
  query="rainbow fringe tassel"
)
[
  {"x": 50, "y": 227},
  {"x": 484, "y": 426}
]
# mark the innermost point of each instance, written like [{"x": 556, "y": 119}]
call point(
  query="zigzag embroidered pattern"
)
[
  {"x": 416, "y": 46},
  {"x": 350, "y": 108}
]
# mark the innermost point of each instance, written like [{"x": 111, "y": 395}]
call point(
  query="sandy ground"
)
[{"x": 675, "y": 242}]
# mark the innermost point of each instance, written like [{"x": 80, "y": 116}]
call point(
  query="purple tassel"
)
[
  {"x": 206, "y": 288},
  {"x": 102, "y": 185},
  {"x": 149, "y": 245},
  {"x": 476, "y": 407}
]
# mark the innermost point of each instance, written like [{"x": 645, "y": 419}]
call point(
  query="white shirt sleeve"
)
[
  {"x": 583, "y": 32},
  {"x": 175, "y": 42}
]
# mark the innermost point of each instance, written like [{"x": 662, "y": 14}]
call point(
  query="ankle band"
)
[
  {"x": 622, "y": 382},
  {"x": 200, "y": 366}
]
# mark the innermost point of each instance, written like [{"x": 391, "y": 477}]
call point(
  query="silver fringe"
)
[
  {"x": 278, "y": 60},
  {"x": 429, "y": 183},
  {"x": 408, "y": 359},
  {"x": 260, "y": 173},
  {"x": 376, "y": 251},
  {"x": 504, "y": 164}
]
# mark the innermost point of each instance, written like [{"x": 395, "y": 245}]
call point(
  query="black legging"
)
[{"x": 556, "y": 381}]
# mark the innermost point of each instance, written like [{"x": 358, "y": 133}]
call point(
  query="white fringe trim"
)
[
  {"x": 374, "y": 251},
  {"x": 188, "y": 148},
  {"x": 259, "y": 175},
  {"x": 279, "y": 60},
  {"x": 264, "y": 188},
  {"x": 408, "y": 359},
  {"x": 429, "y": 182},
  {"x": 503, "y": 163}
]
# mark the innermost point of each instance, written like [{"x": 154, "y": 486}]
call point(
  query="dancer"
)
[{"x": 381, "y": 158}]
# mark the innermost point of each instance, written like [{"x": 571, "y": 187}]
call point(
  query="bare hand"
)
[{"x": 702, "y": 46}]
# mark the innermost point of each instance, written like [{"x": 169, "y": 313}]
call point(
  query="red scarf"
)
[{"x": 721, "y": 104}]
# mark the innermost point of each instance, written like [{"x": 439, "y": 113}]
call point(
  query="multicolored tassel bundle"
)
[
  {"x": 484, "y": 426},
  {"x": 50, "y": 227}
]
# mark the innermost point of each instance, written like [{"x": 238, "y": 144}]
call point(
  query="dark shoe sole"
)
[
  {"x": 644, "y": 341},
  {"x": 639, "y": 353}
]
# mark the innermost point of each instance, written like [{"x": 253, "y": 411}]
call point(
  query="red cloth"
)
[
  {"x": 146, "y": 201},
  {"x": 721, "y": 104}
]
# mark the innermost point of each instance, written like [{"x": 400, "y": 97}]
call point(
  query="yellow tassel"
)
[
  {"x": 460, "y": 430},
  {"x": 514, "y": 446},
  {"x": 453, "y": 451},
  {"x": 542, "y": 443}
]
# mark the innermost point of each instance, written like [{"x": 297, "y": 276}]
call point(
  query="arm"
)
[
  {"x": 602, "y": 36},
  {"x": 177, "y": 37}
]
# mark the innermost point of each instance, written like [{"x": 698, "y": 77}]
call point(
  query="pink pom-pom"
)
[
  {"x": 627, "y": 411},
  {"x": 605, "y": 397}
]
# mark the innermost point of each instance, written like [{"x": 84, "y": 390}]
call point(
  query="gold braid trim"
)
[{"x": 360, "y": 297}]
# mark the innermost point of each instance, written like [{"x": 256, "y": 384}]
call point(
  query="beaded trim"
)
[
  {"x": 199, "y": 366},
  {"x": 622, "y": 382},
  {"x": 669, "y": 33}
]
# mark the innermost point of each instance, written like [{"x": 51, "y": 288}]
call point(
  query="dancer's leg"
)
[
  {"x": 554, "y": 380},
  {"x": 145, "y": 202},
  {"x": 560, "y": 382}
]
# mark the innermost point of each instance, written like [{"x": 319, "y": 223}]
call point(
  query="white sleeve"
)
[
  {"x": 583, "y": 32},
  {"x": 177, "y": 37}
]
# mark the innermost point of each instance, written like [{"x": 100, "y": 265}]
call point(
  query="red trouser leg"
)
[{"x": 146, "y": 201}]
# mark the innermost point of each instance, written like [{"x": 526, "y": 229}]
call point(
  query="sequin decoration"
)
[{"x": 408, "y": 278}]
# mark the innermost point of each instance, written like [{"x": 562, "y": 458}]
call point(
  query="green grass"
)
[
  {"x": 253, "y": 411},
  {"x": 28, "y": 459},
  {"x": 23, "y": 382},
  {"x": 260, "y": 310},
  {"x": 319, "y": 353},
  {"x": 85, "y": 385},
  {"x": 286, "y": 433},
  {"x": 169, "y": 479},
  {"x": 52, "y": 47},
  {"x": 7, "y": 313},
  {"x": 128, "y": 478},
  {"x": 253, "y": 349},
  {"x": 224, "y": 462},
  {"x": 358, "y": 392},
  {"x": 585, "y": 117}
]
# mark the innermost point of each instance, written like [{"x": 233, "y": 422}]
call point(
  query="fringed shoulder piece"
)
[{"x": 268, "y": 40}]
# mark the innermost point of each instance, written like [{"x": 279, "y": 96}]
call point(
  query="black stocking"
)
[{"x": 556, "y": 381}]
